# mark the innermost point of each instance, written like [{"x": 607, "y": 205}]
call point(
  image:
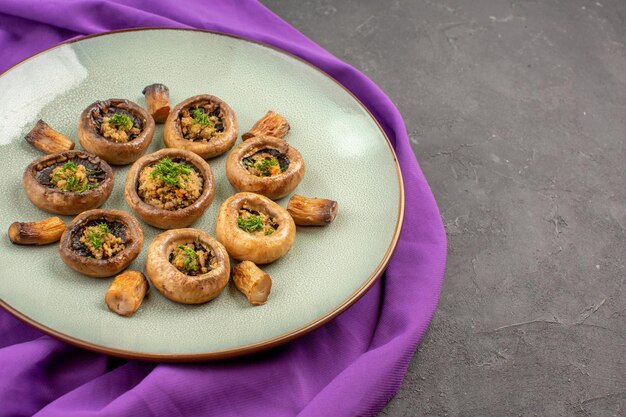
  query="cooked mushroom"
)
[
  {"x": 101, "y": 243},
  {"x": 170, "y": 188},
  {"x": 68, "y": 182},
  {"x": 254, "y": 228},
  {"x": 265, "y": 165},
  {"x": 188, "y": 266},
  {"x": 203, "y": 124},
  {"x": 42, "y": 232},
  {"x": 48, "y": 140},
  {"x": 158, "y": 101},
  {"x": 311, "y": 211},
  {"x": 272, "y": 124},
  {"x": 126, "y": 293},
  {"x": 118, "y": 131},
  {"x": 253, "y": 282}
]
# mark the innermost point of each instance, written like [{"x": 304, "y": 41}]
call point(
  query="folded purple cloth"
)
[{"x": 351, "y": 366}]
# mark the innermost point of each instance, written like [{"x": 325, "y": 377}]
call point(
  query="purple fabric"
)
[{"x": 351, "y": 366}]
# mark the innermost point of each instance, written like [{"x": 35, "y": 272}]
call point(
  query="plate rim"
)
[{"x": 253, "y": 347}]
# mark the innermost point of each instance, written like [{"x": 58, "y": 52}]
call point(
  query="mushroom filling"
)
[
  {"x": 76, "y": 175},
  {"x": 170, "y": 184},
  {"x": 99, "y": 239},
  {"x": 266, "y": 163},
  {"x": 201, "y": 122},
  {"x": 195, "y": 258},
  {"x": 117, "y": 125},
  {"x": 255, "y": 222}
]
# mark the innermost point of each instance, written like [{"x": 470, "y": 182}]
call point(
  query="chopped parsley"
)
[
  {"x": 78, "y": 186},
  {"x": 250, "y": 224},
  {"x": 70, "y": 166},
  {"x": 121, "y": 121},
  {"x": 269, "y": 232},
  {"x": 170, "y": 172},
  {"x": 191, "y": 258},
  {"x": 201, "y": 117},
  {"x": 85, "y": 187},
  {"x": 68, "y": 172},
  {"x": 97, "y": 234},
  {"x": 73, "y": 184},
  {"x": 265, "y": 165}
]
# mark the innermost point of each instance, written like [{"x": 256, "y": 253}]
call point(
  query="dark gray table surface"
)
[{"x": 516, "y": 112}]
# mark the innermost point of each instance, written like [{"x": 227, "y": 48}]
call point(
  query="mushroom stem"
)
[
  {"x": 311, "y": 211},
  {"x": 253, "y": 282},
  {"x": 158, "y": 101},
  {"x": 48, "y": 140},
  {"x": 272, "y": 124},
  {"x": 126, "y": 292},
  {"x": 42, "y": 232}
]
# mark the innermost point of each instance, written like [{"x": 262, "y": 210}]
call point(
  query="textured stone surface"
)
[{"x": 517, "y": 115}]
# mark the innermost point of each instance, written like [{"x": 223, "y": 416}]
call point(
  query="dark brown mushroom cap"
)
[
  {"x": 274, "y": 187},
  {"x": 178, "y": 286},
  {"x": 169, "y": 219},
  {"x": 173, "y": 137},
  {"x": 102, "y": 267},
  {"x": 243, "y": 246},
  {"x": 121, "y": 153},
  {"x": 56, "y": 201}
]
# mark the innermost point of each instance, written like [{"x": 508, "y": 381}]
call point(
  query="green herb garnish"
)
[
  {"x": 96, "y": 235},
  {"x": 104, "y": 228},
  {"x": 75, "y": 185},
  {"x": 121, "y": 121},
  {"x": 81, "y": 188},
  {"x": 170, "y": 172},
  {"x": 201, "y": 117},
  {"x": 70, "y": 166},
  {"x": 269, "y": 232},
  {"x": 191, "y": 258},
  {"x": 264, "y": 166},
  {"x": 72, "y": 183},
  {"x": 250, "y": 224}
]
